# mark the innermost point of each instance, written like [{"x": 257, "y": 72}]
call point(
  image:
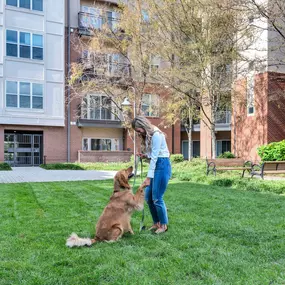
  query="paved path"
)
[{"x": 37, "y": 174}]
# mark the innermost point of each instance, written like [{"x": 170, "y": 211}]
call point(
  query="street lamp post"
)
[{"x": 127, "y": 103}]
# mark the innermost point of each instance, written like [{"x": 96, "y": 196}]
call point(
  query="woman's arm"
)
[{"x": 155, "y": 148}]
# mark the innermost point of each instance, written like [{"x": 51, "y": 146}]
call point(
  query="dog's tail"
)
[{"x": 75, "y": 240}]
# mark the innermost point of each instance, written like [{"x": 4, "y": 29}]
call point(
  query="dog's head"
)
[{"x": 121, "y": 179}]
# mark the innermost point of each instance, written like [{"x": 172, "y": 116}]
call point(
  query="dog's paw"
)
[{"x": 139, "y": 207}]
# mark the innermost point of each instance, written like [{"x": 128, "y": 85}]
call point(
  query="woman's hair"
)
[{"x": 150, "y": 129}]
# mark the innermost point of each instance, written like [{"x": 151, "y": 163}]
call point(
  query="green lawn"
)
[{"x": 217, "y": 235}]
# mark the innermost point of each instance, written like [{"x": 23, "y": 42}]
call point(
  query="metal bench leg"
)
[{"x": 243, "y": 174}]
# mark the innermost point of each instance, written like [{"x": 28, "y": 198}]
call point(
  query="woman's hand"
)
[
  {"x": 141, "y": 155},
  {"x": 146, "y": 182}
]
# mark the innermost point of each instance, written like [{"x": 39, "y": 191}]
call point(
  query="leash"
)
[{"x": 139, "y": 160}]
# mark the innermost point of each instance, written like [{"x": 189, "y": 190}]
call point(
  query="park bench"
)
[
  {"x": 268, "y": 167},
  {"x": 225, "y": 164}
]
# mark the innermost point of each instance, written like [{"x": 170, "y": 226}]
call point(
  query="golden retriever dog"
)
[{"x": 116, "y": 217}]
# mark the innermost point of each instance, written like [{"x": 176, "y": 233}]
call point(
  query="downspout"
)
[{"x": 68, "y": 77}]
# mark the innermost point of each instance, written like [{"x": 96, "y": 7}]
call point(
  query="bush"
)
[
  {"x": 5, "y": 166},
  {"x": 176, "y": 158},
  {"x": 226, "y": 154},
  {"x": 272, "y": 152}
]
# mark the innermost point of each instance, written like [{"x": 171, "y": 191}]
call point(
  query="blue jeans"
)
[{"x": 155, "y": 191}]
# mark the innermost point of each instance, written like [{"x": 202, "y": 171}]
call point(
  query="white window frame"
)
[
  {"x": 250, "y": 98},
  {"x": 114, "y": 146},
  {"x": 31, "y": 5},
  {"x": 31, "y": 95},
  {"x": 151, "y": 113},
  {"x": 87, "y": 108},
  {"x": 19, "y": 44}
]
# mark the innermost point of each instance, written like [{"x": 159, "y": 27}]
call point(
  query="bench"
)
[
  {"x": 225, "y": 164},
  {"x": 268, "y": 167}
]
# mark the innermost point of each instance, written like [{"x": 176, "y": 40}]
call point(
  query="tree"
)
[
  {"x": 195, "y": 43},
  {"x": 182, "y": 109}
]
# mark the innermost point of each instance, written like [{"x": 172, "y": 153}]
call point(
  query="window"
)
[
  {"x": 150, "y": 105},
  {"x": 38, "y": 47},
  {"x": 36, "y": 5},
  {"x": 90, "y": 17},
  {"x": 12, "y": 3},
  {"x": 12, "y": 43},
  {"x": 111, "y": 19},
  {"x": 195, "y": 149},
  {"x": 154, "y": 64},
  {"x": 25, "y": 4},
  {"x": 250, "y": 94},
  {"x": 100, "y": 144},
  {"x": 11, "y": 94},
  {"x": 25, "y": 45},
  {"x": 98, "y": 107},
  {"x": 37, "y": 96},
  {"x": 20, "y": 40},
  {"x": 118, "y": 65},
  {"x": 223, "y": 146},
  {"x": 24, "y": 95},
  {"x": 145, "y": 16}
]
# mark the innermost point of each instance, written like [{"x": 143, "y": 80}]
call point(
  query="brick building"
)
[{"x": 96, "y": 128}]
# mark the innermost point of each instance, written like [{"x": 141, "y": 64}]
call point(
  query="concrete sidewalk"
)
[{"x": 37, "y": 174}]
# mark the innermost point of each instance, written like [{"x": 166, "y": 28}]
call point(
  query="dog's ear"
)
[
  {"x": 123, "y": 180},
  {"x": 116, "y": 186},
  {"x": 130, "y": 169}
]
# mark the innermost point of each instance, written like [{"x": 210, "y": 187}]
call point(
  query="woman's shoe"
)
[
  {"x": 153, "y": 228},
  {"x": 161, "y": 230}
]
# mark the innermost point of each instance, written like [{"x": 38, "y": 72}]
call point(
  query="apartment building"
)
[
  {"x": 32, "y": 80},
  {"x": 96, "y": 128},
  {"x": 38, "y": 44},
  {"x": 258, "y": 116}
]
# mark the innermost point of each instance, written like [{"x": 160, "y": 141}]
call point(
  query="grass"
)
[
  {"x": 194, "y": 171},
  {"x": 217, "y": 235},
  {"x": 4, "y": 166}
]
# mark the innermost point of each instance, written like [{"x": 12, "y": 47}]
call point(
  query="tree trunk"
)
[
  {"x": 214, "y": 145},
  {"x": 213, "y": 134},
  {"x": 190, "y": 137}
]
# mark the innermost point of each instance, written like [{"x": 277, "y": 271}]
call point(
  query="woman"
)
[{"x": 155, "y": 148}]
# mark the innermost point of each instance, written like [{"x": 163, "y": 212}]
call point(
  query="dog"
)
[{"x": 116, "y": 217}]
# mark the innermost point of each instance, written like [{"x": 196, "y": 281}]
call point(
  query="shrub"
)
[
  {"x": 5, "y": 166},
  {"x": 176, "y": 158},
  {"x": 226, "y": 154},
  {"x": 274, "y": 151}
]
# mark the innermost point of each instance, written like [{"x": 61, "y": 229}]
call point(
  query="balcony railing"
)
[
  {"x": 223, "y": 117},
  {"x": 88, "y": 22},
  {"x": 109, "y": 69}
]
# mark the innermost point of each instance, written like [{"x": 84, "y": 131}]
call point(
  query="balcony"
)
[
  {"x": 105, "y": 66},
  {"x": 94, "y": 115},
  {"x": 88, "y": 22},
  {"x": 223, "y": 121}
]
